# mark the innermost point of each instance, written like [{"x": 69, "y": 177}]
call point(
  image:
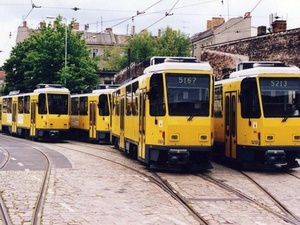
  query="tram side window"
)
[
  {"x": 26, "y": 104},
  {"x": 156, "y": 96},
  {"x": 9, "y": 105},
  {"x": 103, "y": 105},
  {"x": 20, "y": 104},
  {"x": 134, "y": 104},
  {"x": 83, "y": 105},
  {"x": 0, "y": 112},
  {"x": 249, "y": 99},
  {"x": 116, "y": 103},
  {"x": 23, "y": 104},
  {"x": 42, "y": 109},
  {"x": 4, "y": 105},
  {"x": 218, "y": 102},
  {"x": 128, "y": 100},
  {"x": 74, "y": 106}
]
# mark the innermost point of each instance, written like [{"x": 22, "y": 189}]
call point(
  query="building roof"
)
[
  {"x": 104, "y": 38},
  {"x": 202, "y": 35}
]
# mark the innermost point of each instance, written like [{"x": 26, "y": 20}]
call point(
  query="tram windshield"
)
[
  {"x": 58, "y": 103},
  {"x": 188, "y": 94},
  {"x": 280, "y": 97}
]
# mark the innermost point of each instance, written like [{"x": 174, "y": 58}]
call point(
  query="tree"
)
[
  {"x": 144, "y": 46},
  {"x": 112, "y": 59},
  {"x": 41, "y": 59},
  {"x": 173, "y": 43}
]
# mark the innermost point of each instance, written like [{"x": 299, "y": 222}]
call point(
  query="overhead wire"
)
[
  {"x": 238, "y": 21},
  {"x": 33, "y": 6}
]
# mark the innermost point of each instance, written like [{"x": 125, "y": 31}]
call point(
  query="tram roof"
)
[
  {"x": 52, "y": 90},
  {"x": 265, "y": 70},
  {"x": 204, "y": 66}
]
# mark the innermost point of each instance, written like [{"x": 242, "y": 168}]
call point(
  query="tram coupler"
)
[
  {"x": 178, "y": 156},
  {"x": 275, "y": 158},
  {"x": 54, "y": 134}
]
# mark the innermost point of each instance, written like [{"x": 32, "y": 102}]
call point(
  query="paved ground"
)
[{"x": 87, "y": 190}]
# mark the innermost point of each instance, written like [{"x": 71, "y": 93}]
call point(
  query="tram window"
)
[
  {"x": 83, "y": 105},
  {"x": 42, "y": 109},
  {"x": 26, "y": 104},
  {"x": 103, "y": 105},
  {"x": 156, "y": 96},
  {"x": 188, "y": 94},
  {"x": 116, "y": 104},
  {"x": 58, "y": 103},
  {"x": 218, "y": 102},
  {"x": 280, "y": 96},
  {"x": 4, "y": 105},
  {"x": 9, "y": 105},
  {"x": 20, "y": 104},
  {"x": 134, "y": 105},
  {"x": 128, "y": 100},
  {"x": 74, "y": 106},
  {"x": 0, "y": 111},
  {"x": 249, "y": 99}
]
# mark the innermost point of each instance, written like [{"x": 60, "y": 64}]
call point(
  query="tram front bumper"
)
[
  {"x": 178, "y": 156},
  {"x": 275, "y": 158}
]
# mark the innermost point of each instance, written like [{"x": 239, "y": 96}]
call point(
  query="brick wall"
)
[{"x": 282, "y": 46}]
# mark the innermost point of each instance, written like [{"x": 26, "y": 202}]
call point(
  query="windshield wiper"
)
[
  {"x": 284, "y": 119},
  {"x": 190, "y": 118}
]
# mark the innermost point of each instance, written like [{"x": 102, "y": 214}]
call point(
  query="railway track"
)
[
  {"x": 3, "y": 210},
  {"x": 151, "y": 176},
  {"x": 176, "y": 188},
  {"x": 6, "y": 158},
  {"x": 285, "y": 214},
  {"x": 41, "y": 197},
  {"x": 37, "y": 210}
]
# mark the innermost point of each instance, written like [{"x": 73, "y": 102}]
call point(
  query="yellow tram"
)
[
  {"x": 0, "y": 114},
  {"x": 164, "y": 117},
  {"x": 90, "y": 116},
  {"x": 257, "y": 116},
  {"x": 42, "y": 114}
]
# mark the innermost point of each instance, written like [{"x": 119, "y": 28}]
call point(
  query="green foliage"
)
[
  {"x": 144, "y": 46},
  {"x": 41, "y": 59},
  {"x": 173, "y": 43},
  {"x": 112, "y": 59}
]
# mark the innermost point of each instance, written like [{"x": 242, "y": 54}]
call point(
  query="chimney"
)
[
  {"x": 215, "y": 22},
  {"x": 24, "y": 23},
  {"x": 159, "y": 33},
  {"x": 279, "y": 26},
  {"x": 132, "y": 30},
  {"x": 208, "y": 24},
  {"x": 76, "y": 26},
  {"x": 247, "y": 15},
  {"x": 261, "y": 30},
  {"x": 108, "y": 29}
]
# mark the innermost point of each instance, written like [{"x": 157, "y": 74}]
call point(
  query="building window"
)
[{"x": 95, "y": 52}]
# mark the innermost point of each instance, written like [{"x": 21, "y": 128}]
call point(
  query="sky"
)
[{"x": 188, "y": 16}]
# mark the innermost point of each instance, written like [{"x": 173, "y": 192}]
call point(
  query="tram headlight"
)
[
  {"x": 203, "y": 137},
  {"x": 174, "y": 137},
  {"x": 270, "y": 137}
]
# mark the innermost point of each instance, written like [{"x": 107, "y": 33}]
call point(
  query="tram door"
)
[
  {"x": 14, "y": 118},
  {"x": 92, "y": 130},
  {"x": 142, "y": 125},
  {"x": 230, "y": 124},
  {"x": 33, "y": 118}
]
